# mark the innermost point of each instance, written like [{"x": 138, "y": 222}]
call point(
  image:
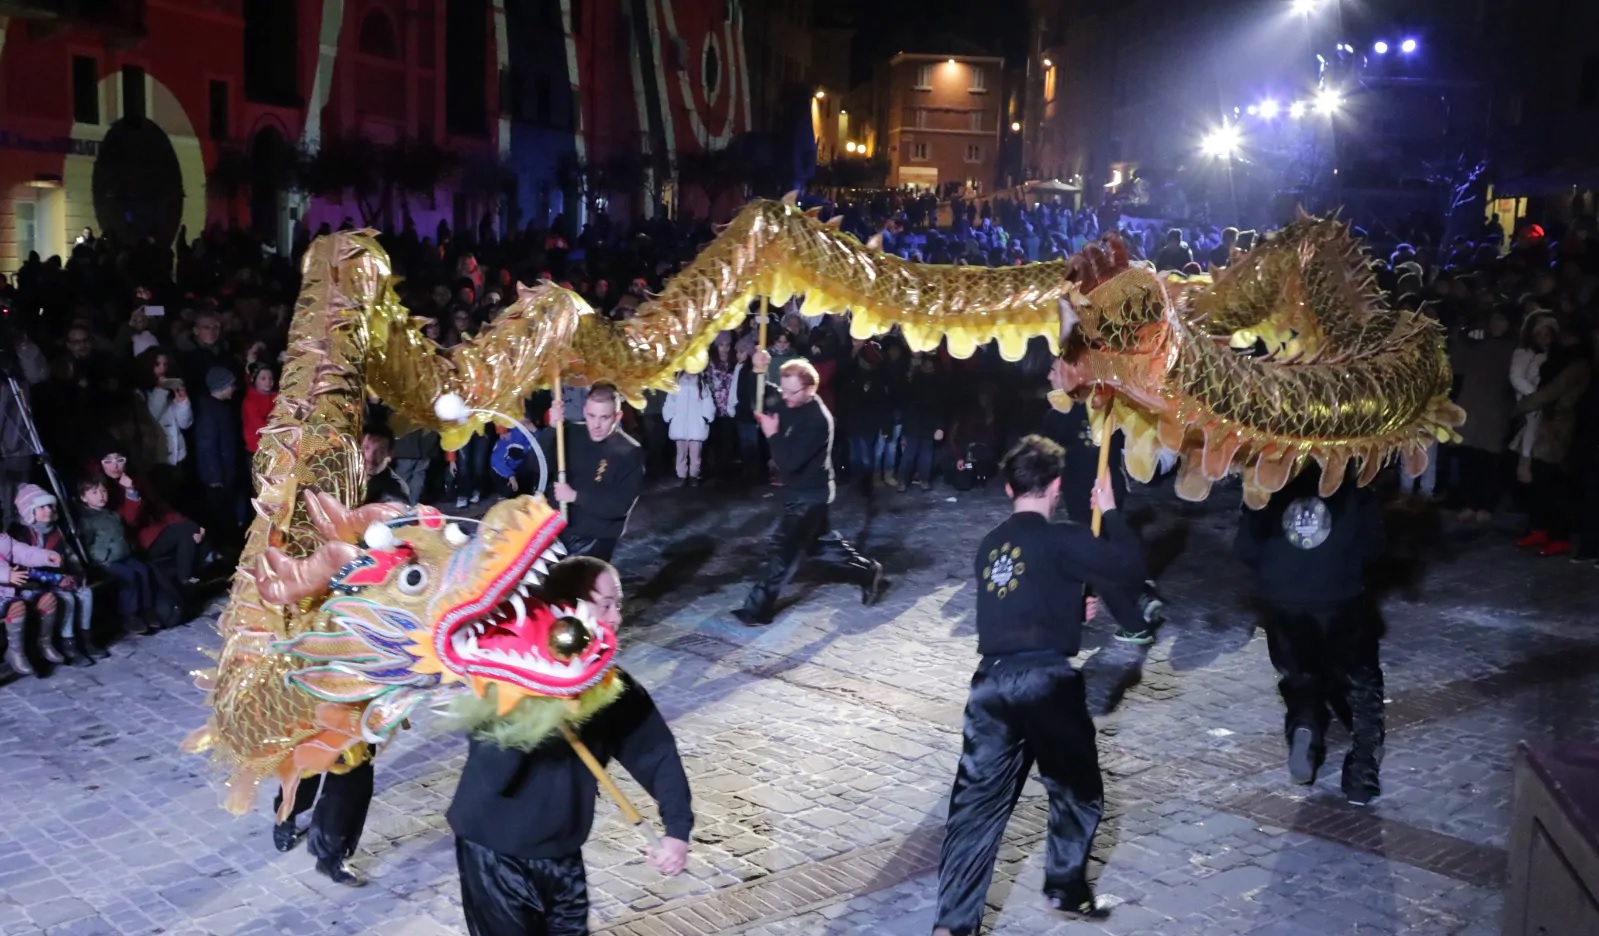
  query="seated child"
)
[
  {"x": 16, "y": 563},
  {"x": 143, "y": 600},
  {"x": 38, "y": 527}
]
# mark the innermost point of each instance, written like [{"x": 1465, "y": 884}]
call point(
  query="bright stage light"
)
[
  {"x": 1296, "y": 110},
  {"x": 1221, "y": 143},
  {"x": 849, "y": 147},
  {"x": 1328, "y": 101},
  {"x": 1016, "y": 126},
  {"x": 1269, "y": 109},
  {"x": 1380, "y": 47},
  {"x": 1305, "y": 7},
  {"x": 1408, "y": 46},
  {"x": 1252, "y": 110}
]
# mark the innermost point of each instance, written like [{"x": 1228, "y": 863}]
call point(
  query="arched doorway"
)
[
  {"x": 271, "y": 173},
  {"x": 138, "y": 183}
]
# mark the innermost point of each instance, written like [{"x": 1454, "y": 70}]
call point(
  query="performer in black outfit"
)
[
  {"x": 338, "y": 802},
  {"x": 1027, "y": 701},
  {"x": 604, "y": 470},
  {"x": 1072, "y": 431},
  {"x": 1309, "y": 554},
  {"x": 801, "y": 438},
  {"x": 521, "y": 817}
]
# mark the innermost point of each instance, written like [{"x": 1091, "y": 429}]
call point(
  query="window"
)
[
  {"x": 1588, "y": 84},
  {"x": 974, "y": 152},
  {"x": 924, "y": 77},
  {"x": 979, "y": 79},
  {"x": 919, "y": 152},
  {"x": 921, "y": 117},
  {"x": 219, "y": 110},
  {"x": 976, "y": 121},
  {"x": 466, "y": 28},
  {"x": 377, "y": 37},
  {"x": 85, "y": 89},
  {"x": 271, "y": 52},
  {"x": 133, "y": 92}
]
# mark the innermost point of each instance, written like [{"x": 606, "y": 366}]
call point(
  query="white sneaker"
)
[
  {"x": 476, "y": 497},
  {"x": 460, "y": 503}
]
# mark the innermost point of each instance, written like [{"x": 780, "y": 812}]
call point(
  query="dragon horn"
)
[
  {"x": 283, "y": 580},
  {"x": 337, "y": 522}
]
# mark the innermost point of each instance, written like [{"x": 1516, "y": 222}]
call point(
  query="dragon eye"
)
[{"x": 413, "y": 578}]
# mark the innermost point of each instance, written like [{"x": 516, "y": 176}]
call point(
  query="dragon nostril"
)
[{"x": 568, "y": 638}]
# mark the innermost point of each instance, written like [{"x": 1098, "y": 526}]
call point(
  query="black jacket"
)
[
  {"x": 1030, "y": 578},
  {"x": 1307, "y": 550},
  {"x": 540, "y": 804},
  {"x": 1072, "y": 432},
  {"x": 607, "y": 476},
  {"x": 803, "y": 448},
  {"x": 925, "y": 408}
]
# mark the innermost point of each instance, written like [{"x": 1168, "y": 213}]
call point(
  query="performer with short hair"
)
[
  {"x": 604, "y": 470},
  {"x": 521, "y": 817},
  {"x": 800, "y": 435},
  {"x": 1309, "y": 553},
  {"x": 1027, "y": 701}
]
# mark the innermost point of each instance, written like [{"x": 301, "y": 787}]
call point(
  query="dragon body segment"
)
[{"x": 328, "y": 640}]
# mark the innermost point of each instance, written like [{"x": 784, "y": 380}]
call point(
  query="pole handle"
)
[
  {"x": 560, "y": 442},
  {"x": 1107, "y": 428},
  {"x": 760, "y": 379},
  {"x": 629, "y": 811}
]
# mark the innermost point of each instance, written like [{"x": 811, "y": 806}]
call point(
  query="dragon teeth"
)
[
  {"x": 559, "y": 549},
  {"x": 521, "y": 609}
]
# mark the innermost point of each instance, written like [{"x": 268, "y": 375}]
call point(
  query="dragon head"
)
[{"x": 421, "y": 604}]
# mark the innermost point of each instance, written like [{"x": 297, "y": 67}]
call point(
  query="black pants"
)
[
  {"x": 340, "y": 812},
  {"x": 175, "y": 551},
  {"x": 1551, "y": 500},
  {"x": 1022, "y": 708},
  {"x": 506, "y": 896},
  {"x": 1327, "y": 663},
  {"x": 599, "y": 548},
  {"x": 1480, "y": 474},
  {"x": 803, "y": 532}
]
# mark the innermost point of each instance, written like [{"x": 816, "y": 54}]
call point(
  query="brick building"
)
[{"x": 940, "y": 117}]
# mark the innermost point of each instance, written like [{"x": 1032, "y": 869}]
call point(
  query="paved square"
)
[{"x": 821, "y": 748}]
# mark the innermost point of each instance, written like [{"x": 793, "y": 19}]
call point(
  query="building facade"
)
[
  {"x": 940, "y": 117},
  {"x": 164, "y": 116}
]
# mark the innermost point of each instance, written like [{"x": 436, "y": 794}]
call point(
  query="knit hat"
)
[
  {"x": 30, "y": 497},
  {"x": 218, "y": 378}
]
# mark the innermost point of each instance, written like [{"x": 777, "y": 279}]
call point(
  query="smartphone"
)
[
  {"x": 171, "y": 383},
  {"x": 151, "y": 311}
]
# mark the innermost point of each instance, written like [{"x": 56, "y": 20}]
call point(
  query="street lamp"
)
[
  {"x": 1015, "y": 126},
  {"x": 820, "y": 95},
  {"x": 1048, "y": 63}
]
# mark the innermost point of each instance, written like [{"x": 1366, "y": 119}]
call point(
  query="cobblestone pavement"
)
[{"x": 821, "y": 749}]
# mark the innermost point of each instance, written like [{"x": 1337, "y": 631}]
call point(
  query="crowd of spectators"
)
[{"x": 149, "y": 373}]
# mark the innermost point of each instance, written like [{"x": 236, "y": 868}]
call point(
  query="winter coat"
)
[
  {"x": 217, "y": 442},
  {"x": 13, "y": 554},
  {"x": 145, "y": 514},
  {"x": 689, "y": 410},
  {"x": 1480, "y": 367},
  {"x": 105, "y": 539},
  {"x": 173, "y": 416},
  {"x": 253, "y": 416},
  {"x": 1557, "y": 401}
]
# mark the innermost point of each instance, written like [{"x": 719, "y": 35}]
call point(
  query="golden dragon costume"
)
[{"x": 1289, "y": 355}]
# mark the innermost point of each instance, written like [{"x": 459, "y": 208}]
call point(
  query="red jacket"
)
[{"x": 257, "y": 407}]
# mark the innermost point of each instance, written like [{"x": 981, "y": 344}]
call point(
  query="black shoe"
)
[
  {"x": 285, "y": 836},
  {"x": 1360, "y": 784},
  {"x": 1302, "y": 759},
  {"x": 1142, "y": 636},
  {"x": 1080, "y": 906},
  {"x": 750, "y": 618},
  {"x": 340, "y": 873},
  {"x": 872, "y": 591}
]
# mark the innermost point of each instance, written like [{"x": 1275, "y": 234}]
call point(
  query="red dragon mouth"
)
[{"x": 504, "y": 633}]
